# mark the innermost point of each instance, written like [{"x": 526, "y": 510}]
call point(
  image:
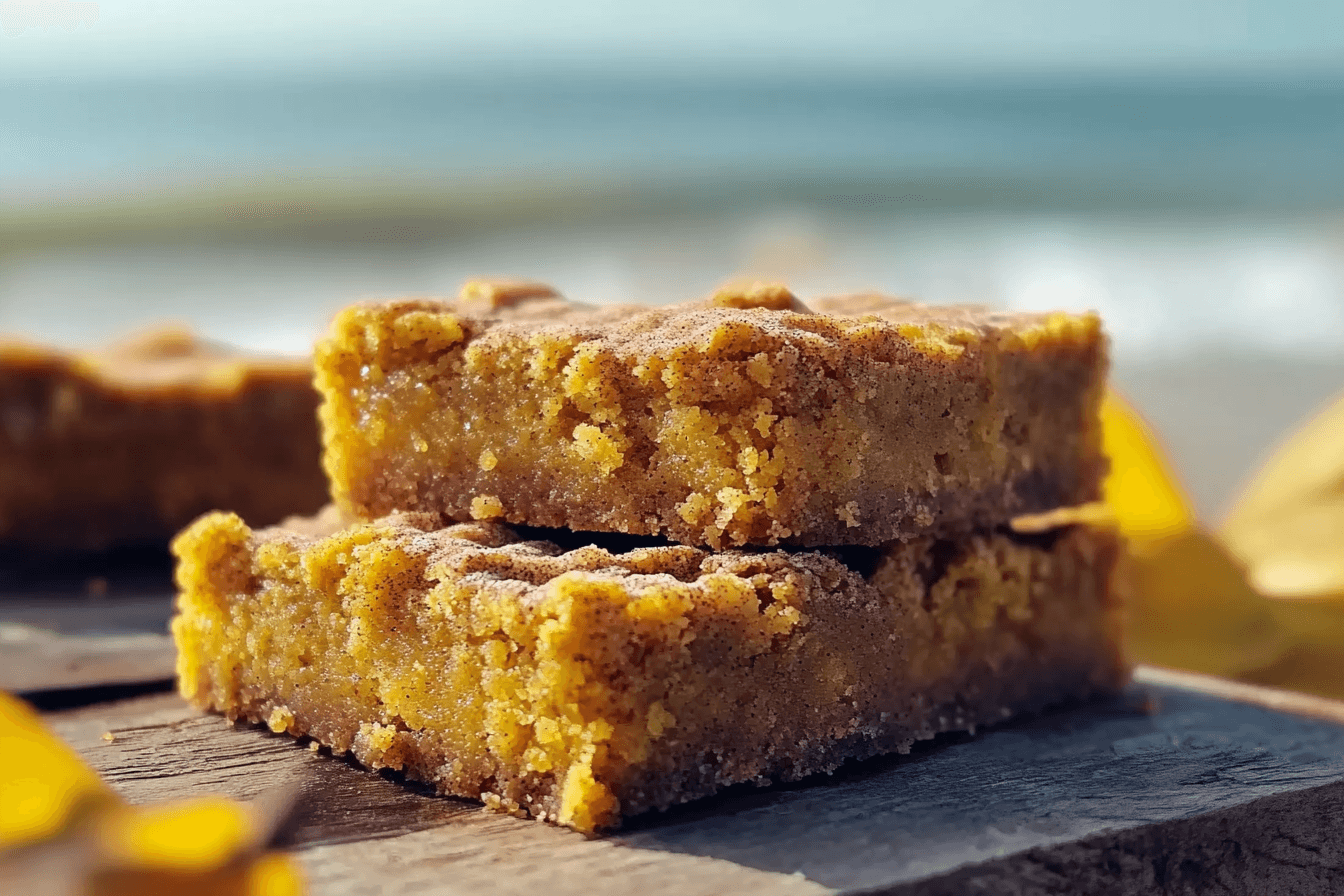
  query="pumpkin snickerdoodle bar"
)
[
  {"x": 745, "y": 419},
  {"x": 585, "y": 685},
  {"x": 130, "y": 443}
]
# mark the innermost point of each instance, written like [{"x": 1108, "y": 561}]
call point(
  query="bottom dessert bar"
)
[{"x": 583, "y": 686}]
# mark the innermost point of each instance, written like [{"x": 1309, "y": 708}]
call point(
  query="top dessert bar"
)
[
  {"x": 129, "y": 444},
  {"x": 744, "y": 419}
]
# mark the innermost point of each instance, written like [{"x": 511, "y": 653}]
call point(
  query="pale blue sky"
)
[{"x": 148, "y": 36}]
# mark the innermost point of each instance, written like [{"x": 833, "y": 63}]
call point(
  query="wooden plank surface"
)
[
  {"x": 359, "y": 833},
  {"x": 84, "y": 620},
  {"x": 1121, "y": 788},
  {"x": 35, "y": 659},
  {"x": 63, "y": 640}
]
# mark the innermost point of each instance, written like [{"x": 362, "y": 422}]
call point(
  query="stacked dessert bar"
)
[{"x": 585, "y": 562}]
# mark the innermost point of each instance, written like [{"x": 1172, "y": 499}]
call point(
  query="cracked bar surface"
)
[
  {"x": 129, "y": 444},
  {"x": 745, "y": 419},
  {"x": 584, "y": 686}
]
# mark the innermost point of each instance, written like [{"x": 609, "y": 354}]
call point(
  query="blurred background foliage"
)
[{"x": 1258, "y": 598}]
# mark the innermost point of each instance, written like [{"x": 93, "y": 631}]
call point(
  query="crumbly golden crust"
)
[
  {"x": 584, "y": 686},
  {"x": 742, "y": 420},
  {"x": 131, "y": 443}
]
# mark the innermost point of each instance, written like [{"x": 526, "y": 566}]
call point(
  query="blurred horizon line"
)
[{"x": 312, "y": 207}]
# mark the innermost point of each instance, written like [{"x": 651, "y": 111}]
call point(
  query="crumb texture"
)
[
  {"x": 583, "y": 686},
  {"x": 747, "y": 419}
]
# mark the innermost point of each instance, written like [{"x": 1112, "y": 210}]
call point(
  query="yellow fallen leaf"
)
[
  {"x": 60, "y": 820},
  {"x": 1191, "y": 608},
  {"x": 1309, "y": 463},
  {"x": 1141, "y": 489},
  {"x": 1264, "y": 599},
  {"x": 1287, "y": 527},
  {"x": 272, "y": 874},
  {"x": 44, "y": 785},
  {"x": 199, "y": 834},
  {"x": 1190, "y": 604}
]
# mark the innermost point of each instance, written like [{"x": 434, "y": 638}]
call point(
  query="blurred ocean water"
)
[
  {"x": 1265, "y": 143},
  {"x": 1194, "y": 214}
]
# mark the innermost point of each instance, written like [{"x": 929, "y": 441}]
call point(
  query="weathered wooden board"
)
[
  {"x": 35, "y": 659},
  {"x": 1164, "y": 790},
  {"x": 51, "y": 641},
  {"x": 360, "y": 833}
]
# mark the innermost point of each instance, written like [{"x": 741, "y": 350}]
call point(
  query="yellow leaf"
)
[
  {"x": 274, "y": 874},
  {"x": 1220, "y": 605},
  {"x": 1141, "y": 490},
  {"x": 1191, "y": 608},
  {"x": 1288, "y": 524},
  {"x": 53, "y": 807},
  {"x": 44, "y": 786},
  {"x": 200, "y": 834},
  {"x": 1309, "y": 463},
  {"x": 1306, "y": 667}
]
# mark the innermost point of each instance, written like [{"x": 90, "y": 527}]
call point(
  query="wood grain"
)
[
  {"x": 1118, "y": 787},
  {"x": 357, "y": 832},
  {"x": 59, "y": 641},
  {"x": 1288, "y": 843},
  {"x": 34, "y": 659}
]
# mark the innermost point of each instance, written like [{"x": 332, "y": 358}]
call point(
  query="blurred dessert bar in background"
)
[{"x": 127, "y": 445}]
